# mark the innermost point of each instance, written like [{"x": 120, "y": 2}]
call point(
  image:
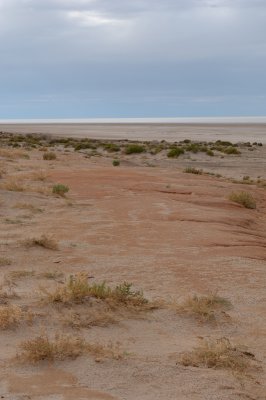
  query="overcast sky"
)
[{"x": 132, "y": 58}]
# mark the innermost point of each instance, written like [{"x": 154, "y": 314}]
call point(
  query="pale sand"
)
[{"x": 168, "y": 132}]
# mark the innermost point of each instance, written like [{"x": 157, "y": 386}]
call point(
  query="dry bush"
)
[
  {"x": 204, "y": 307},
  {"x": 4, "y": 261},
  {"x": 49, "y": 155},
  {"x": 219, "y": 354},
  {"x": 44, "y": 241},
  {"x": 243, "y": 198},
  {"x": 40, "y": 176},
  {"x": 13, "y": 185},
  {"x": 10, "y": 316},
  {"x": 77, "y": 290},
  {"x": 62, "y": 347}
]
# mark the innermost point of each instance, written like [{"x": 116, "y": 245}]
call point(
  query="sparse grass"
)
[
  {"x": 204, "y": 307},
  {"x": 27, "y": 206},
  {"x": 53, "y": 275},
  {"x": 218, "y": 354},
  {"x": 12, "y": 154},
  {"x": 243, "y": 198},
  {"x": 134, "y": 149},
  {"x": 4, "y": 261},
  {"x": 111, "y": 147},
  {"x": 20, "y": 274},
  {"x": 62, "y": 347},
  {"x": 89, "y": 317},
  {"x": 13, "y": 185},
  {"x": 192, "y": 170},
  {"x": 49, "y": 155},
  {"x": 77, "y": 290},
  {"x": 10, "y": 316},
  {"x": 60, "y": 189},
  {"x": 44, "y": 241}
]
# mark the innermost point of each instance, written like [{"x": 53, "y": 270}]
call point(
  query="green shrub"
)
[
  {"x": 116, "y": 163},
  {"x": 49, "y": 156},
  {"x": 231, "y": 150},
  {"x": 210, "y": 153},
  {"x": 60, "y": 189},
  {"x": 244, "y": 198},
  {"x": 175, "y": 152},
  {"x": 134, "y": 149},
  {"x": 111, "y": 147}
]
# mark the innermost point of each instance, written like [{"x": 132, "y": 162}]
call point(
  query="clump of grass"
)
[
  {"x": 10, "y": 316},
  {"x": 43, "y": 241},
  {"x": 175, "y": 152},
  {"x": 42, "y": 348},
  {"x": 204, "y": 307},
  {"x": 13, "y": 186},
  {"x": 116, "y": 163},
  {"x": 192, "y": 170},
  {"x": 134, "y": 149},
  {"x": 218, "y": 354},
  {"x": 243, "y": 198},
  {"x": 210, "y": 153},
  {"x": 49, "y": 155},
  {"x": 231, "y": 150},
  {"x": 77, "y": 290},
  {"x": 62, "y": 347},
  {"x": 4, "y": 261},
  {"x": 12, "y": 154},
  {"x": 40, "y": 176},
  {"x": 20, "y": 274},
  {"x": 89, "y": 317},
  {"x": 60, "y": 189}
]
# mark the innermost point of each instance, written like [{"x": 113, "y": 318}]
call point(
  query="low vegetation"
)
[
  {"x": 44, "y": 241},
  {"x": 243, "y": 198},
  {"x": 218, "y": 354},
  {"x": 62, "y": 347},
  {"x": 4, "y": 261},
  {"x": 78, "y": 290},
  {"x": 49, "y": 156},
  {"x": 134, "y": 149},
  {"x": 204, "y": 307},
  {"x": 175, "y": 152},
  {"x": 13, "y": 185},
  {"x": 116, "y": 163},
  {"x": 10, "y": 316},
  {"x": 60, "y": 189},
  {"x": 192, "y": 170}
]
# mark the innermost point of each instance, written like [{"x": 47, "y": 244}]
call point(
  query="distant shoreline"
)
[{"x": 234, "y": 132}]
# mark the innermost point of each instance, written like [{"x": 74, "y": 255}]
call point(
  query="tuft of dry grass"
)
[
  {"x": 87, "y": 318},
  {"x": 20, "y": 274},
  {"x": 10, "y": 316},
  {"x": 4, "y": 261},
  {"x": 40, "y": 176},
  {"x": 218, "y": 354},
  {"x": 44, "y": 241},
  {"x": 62, "y": 347},
  {"x": 53, "y": 275},
  {"x": 77, "y": 290},
  {"x": 204, "y": 307},
  {"x": 13, "y": 185},
  {"x": 243, "y": 198}
]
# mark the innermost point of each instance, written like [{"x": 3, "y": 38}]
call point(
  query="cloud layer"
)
[{"x": 122, "y": 58}]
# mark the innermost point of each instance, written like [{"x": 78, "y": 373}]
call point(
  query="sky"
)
[{"x": 132, "y": 58}]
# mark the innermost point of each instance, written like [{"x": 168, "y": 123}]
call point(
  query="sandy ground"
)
[
  {"x": 171, "y": 235},
  {"x": 169, "y": 132}
]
